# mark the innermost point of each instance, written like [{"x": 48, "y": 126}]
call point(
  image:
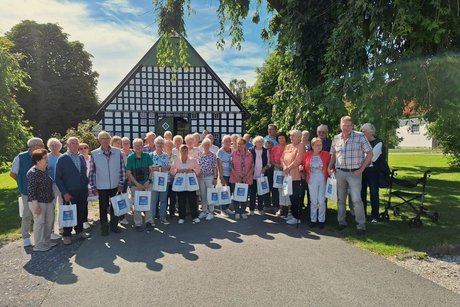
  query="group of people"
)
[{"x": 45, "y": 178}]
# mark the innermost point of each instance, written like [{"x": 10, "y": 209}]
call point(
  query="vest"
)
[
  {"x": 25, "y": 163},
  {"x": 264, "y": 156},
  {"x": 381, "y": 159},
  {"x": 107, "y": 168}
]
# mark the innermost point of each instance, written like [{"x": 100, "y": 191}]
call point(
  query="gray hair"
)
[
  {"x": 257, "y": 139},
  {"x": 138, "y": 140},
  {"x": 159, "y": 140},
  {"x": 368, "y": 127},
  {"x": 53, "y": 142},
  {"x": 322, "y": 126},
  {"x": 296, "y": 132},
  {"x": 226, "y": 137},
  {"x": 206, "y": 141},
  {"x": 35, "y": 142}
]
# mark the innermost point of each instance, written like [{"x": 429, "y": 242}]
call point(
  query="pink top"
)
[
  {"x": 292, "y": 157},
  {"x": 275, "y": 154},
  {"x": 191, "y": 163},
  {"x": 237, "y": 159}
]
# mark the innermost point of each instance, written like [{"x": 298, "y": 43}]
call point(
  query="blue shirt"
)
[
  {"x": 52, "y": 160},
  {"x": 273, "y": 139}
]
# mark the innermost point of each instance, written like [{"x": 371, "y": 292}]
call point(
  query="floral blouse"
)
[
  {"x": 208, "y": 164},
  {"x": 160, "y": 159},
  {"x": 39, "y": 186}
]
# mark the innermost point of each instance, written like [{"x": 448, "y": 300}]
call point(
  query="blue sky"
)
[{"x": 119, "y": 32}]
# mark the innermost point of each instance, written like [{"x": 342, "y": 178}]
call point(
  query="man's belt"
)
[{"x": 348, "y": 170}]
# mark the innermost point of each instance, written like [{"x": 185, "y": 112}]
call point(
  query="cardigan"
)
[{"x": 325, "y": 157}]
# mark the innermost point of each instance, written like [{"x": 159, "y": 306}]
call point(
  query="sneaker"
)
[
  {"x": 41, "y": 249},
  {"x": 360, "y": 232},
  {"x": 202, "y": 215},
  {"x": 209, "y": 216},
  {"x": 180, "y": 221},
  {"x": 83, "y": 235},
  {"x": 164, "y": 221},
  {"x": 148, "y": 226},
  {"x": 55, "y": 236},
  {"x": 237, "y": 216},
  {"x": 26, "y": 242},
  {"x": 231, "y": 212},
  {"x": 321, "y": 225},
  {"x": 67, "y": 240},
  {"x": 244, "y": 216},
  {"x": 224, "y": 213},
  {"x": 86, "y": 225},
  {"x": 288, "y": 217},
  {"x": 139, "y": 228},
  {"x": 293, "y": 221},
  {"x": 251, "y": 212},
  {"x": 374, "y": 221},
  {"x": 279, "y": 213},
  {"x": 312, "y": 224},
  {"x": 196, "y": 220},
  {"x": 124, "y": 221}
]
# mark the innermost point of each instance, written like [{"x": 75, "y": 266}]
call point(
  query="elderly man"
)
[
  {"x": 272, "y": 135},
  {"x": 351, "y": 153},
  {"x": 150, "y": 140},
  {"x": 106, "y": 177},
  {"x": 72, "y": 181},
  {"x": 21, "y": 165},
  {"x": 322, "y": 132}
]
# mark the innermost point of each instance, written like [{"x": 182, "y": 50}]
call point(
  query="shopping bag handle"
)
[{"x": 67, "y": 203}]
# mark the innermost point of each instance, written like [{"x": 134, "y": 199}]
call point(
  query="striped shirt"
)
[{"x": 350, "y": 153}]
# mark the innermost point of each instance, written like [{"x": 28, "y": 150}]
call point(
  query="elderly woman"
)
[
  {"x": 207, "y": 179},
  {"x": 224, "y": 159},
  {"x": 125, "y": 148},
  {"x": 186, "y": 164},
  {"x": 178, "y": 141},
  {"x": 54, "y": 146},
  {"x": 193, "y": 151},
  {"x": 168, "y": 136},
  {"x": 41, "y": 200},
  {"x": 84, "y": 150},
  {"x": 161, "y": 163},
  {"x": 291, "y": 159},
  {"x": 172, "y": 196},
  {"x": 242, "y": 172},
  {"x": 371, "y": 173},
  {"x": 303, "y": 183},
  {"x": 261, "y": 161},
  {"x": 139, "y": 170},
  {"x": 234, "y": 142},
  {"x": 117, "y": 142},
  {"x": 275, "y": 161},
  {"x": 315, "y": 164}
]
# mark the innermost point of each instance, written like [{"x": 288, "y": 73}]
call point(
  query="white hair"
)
[
  {"x": 158, "y": 140},
  {"x": 189, "y": 137},
  {"x": 322, "y": 126},
  {"x": 296, "y": 132},
  {"x": 257, "y": 139},
  {"x": 34, "y": 142},
  {"x": 138, "y": 140},
  {"x": 226, "y": 137},
  {"x": 368, "y": 127},
  {"x": 206, "y": 141},
  {"x": 53, "y": 142}
]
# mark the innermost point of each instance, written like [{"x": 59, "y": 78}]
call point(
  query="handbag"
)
[
  {"x": 287, "y": 186},
  {"x": 120, "y": 204},
  {"x": 262, "y": 185},
  {"x": 179, "y": 182},
  {"x": 240, "y": 193},
  {"x": 224, "y": 195},
  {"x": 212, "y": 195},
  {"x": 278, "y": 177},
  {"x": 67, "y": 215},
  {"x": 142, "y": 200},
  {"x": 192, "y": 182},
  {"x": 160, "y": 181},
  {"x": 331, "y": 188}
]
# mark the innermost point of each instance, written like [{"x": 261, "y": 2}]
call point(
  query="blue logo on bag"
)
[
  {"x": 240, "y": 191},
  {"x": 329, "y": 188},
  {"x": 279, "y": 179},
  {"x": 121, "y": 204},
  {"x": 264, "y": 185},
  {"x": 161, "y": 181},
  {"x": 179, "y": 180},
  {"x": 143, "y": 200},
  {"x": 67, "y": 215},
  {"x": 224, "y": 195},
  {"x": 191, "y": 180},
  {"x": 214, "y": 197}
]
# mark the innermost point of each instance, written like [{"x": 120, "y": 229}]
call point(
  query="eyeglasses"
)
[{"x": 81, "y": 148}]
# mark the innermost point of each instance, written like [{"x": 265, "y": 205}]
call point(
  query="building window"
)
[
  {"x": 414, "y": 129},
  {"x": 143, "y": 114},
  {"x": 216, "y": 115},
  {"x": 194, "y": 116}
]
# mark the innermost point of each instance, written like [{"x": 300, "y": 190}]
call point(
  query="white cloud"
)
[{"x": 121, "y": 7}]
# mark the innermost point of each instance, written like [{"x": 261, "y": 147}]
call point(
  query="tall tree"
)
[
  {"x": 14, "y": 131},
  {"x": 62, "y": 82},
  {"x": 238, "y": 87}
]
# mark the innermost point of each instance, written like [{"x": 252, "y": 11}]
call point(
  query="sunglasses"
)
[{"x": 81, "y": 148}]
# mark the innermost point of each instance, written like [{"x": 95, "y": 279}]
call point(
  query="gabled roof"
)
[{"x": 150, "y": 59}]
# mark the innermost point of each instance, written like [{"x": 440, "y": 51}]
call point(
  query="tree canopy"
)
[
  {"x": 62, "y": 83},
  {"x": 14, "y": 130}
]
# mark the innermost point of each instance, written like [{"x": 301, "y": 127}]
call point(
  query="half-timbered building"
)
[{"x": 153, "y": 98}]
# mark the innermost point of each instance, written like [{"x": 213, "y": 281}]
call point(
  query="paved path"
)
[{"x": 256, "y": 262}]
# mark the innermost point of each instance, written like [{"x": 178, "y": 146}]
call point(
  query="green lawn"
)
[
  {"x": 443, "y": 187},
  {"x": 10, "y": 227}
]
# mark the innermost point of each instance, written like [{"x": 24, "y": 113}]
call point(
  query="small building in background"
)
[
  {"x": 153, "y": 98},
  {"x": 413, "y": 134}
]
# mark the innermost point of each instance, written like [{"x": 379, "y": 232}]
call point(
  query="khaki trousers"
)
[
  {"x": 43, "y": 224},
  {"x": 138, "y": 214}
]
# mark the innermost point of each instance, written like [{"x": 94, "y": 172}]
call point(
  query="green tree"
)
[
  {"x": 238, "y": 88},
  {"x": 62, "y": 82},
  {"x": 14, "y": 130},
  {"x": 84, "y": 132}
]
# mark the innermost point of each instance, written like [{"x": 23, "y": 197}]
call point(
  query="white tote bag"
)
[
  {"x": 287, "y": 186},
  {"x": 160, "y": 181},
  {"x": 224, "y": 195},
  {"x": 192, "y": 182},
  {"x": 278, "y": 177},
  {"x": 241, "y": 192},
  {"x": 331, "y": 188},
  {"x": 284, "y": 200},
  {"x": 179, "y": 182},
  {"x": 212, "y": 195},
  {"x": 120, "y": 204},
  {"x": 67, "y": 215},
  {"x": 142, "y": 200},
  {"x": 21, "y": 206},
  {"x": 262, "y": 185}
]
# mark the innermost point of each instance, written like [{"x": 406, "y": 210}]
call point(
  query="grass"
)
[
  {"x": 443, "y": 187},
  {"x": 417, "y": 150},
  {"x": 10, "y": 226}
]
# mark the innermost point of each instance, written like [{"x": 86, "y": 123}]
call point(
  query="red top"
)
[
  {"x": 325, "y": 157},
  {"x": 236, "y": 164}
]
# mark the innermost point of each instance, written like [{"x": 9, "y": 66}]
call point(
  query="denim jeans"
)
[
  {"x": 227, "y": 180},
  {"x": 163, "y": 196},
  {"x": 348, "y": 181},
  {"x": 371, "y": 180}
]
